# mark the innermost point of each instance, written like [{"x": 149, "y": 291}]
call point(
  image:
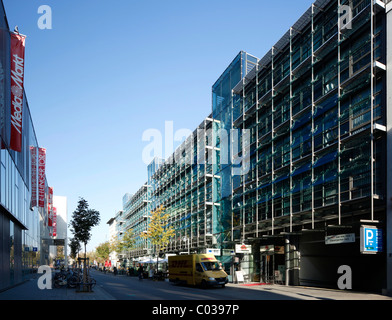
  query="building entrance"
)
[{"x": 272, "y": 266}]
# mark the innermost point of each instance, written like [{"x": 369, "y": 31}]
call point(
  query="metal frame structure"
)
[
  {"x": 135, "y": 216},
  {"x": 315, "y": 109},
  {"x": 183, "y": 185},
  {"x": 312, "y": 19}
]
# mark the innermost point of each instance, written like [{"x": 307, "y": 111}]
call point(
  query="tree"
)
[
  {"x": 126, "y": 242},
  {"x": 60, "y": 252},
  {"x": 83, "y": 220},
  {"x": 74, "y": 245},
  {"x": 115, "y": 245},
  {"x": 159, "y": 231},
  {"x": 102, "y": 251}
]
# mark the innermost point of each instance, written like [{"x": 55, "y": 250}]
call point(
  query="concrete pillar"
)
[
  {"x": 292, "y": 260},
  {"x": 287, "y": 259}
]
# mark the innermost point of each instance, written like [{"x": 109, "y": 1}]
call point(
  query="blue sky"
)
[{"x": 109, "y": 70}]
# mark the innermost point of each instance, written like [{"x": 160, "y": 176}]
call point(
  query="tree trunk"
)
[
  {"x": 85, "y": 287},
  {"x": 159, "y": 249}
]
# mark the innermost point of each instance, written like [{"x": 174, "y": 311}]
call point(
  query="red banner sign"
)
[
  {"x": 41, "y": 176},
  {"x": 17, "y": 85},
  {"x": 54, "y": 222},
  {"x": 33, "y": 152},
  {"x": 50, "y": 208}
]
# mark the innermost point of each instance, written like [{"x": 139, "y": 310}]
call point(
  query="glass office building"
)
[
  {"x": 135, "y": 214},
  {"x": 315, "y": 109},
  {"x": 184, "y": 187},
  {"x": 21, "y": 228},
  {"x": 313, "y": 117}
]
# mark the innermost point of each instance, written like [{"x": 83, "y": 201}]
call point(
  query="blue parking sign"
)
[{"x": 371, "y": 240}]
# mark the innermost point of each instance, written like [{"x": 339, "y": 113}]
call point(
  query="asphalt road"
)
[
  {"x": 131, "y": 288},
  {"x": 159, "y": 299}
]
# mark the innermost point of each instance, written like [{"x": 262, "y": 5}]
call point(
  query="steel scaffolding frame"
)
[
  {"x": 286, "y": 102},
  {"x": 184, "y": 187},
  {"x": 271, "y": 63}
]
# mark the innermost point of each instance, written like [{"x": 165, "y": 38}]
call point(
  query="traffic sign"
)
[{"x": 371, "y": 239}]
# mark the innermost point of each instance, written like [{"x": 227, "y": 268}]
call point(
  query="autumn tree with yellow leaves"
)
[{"x": 159, "y": 231}]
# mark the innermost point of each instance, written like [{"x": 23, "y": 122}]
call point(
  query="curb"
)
[{"x": 15, "y": 285}]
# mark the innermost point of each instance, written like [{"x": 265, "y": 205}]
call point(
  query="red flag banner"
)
[
  {"x": 54, "y": 222},
  {"x": 50, "y": 208},
  {"x": 33, "y": 152},
  {"x": 41, "y": 176},
  {"x": 17, "y": 85}
]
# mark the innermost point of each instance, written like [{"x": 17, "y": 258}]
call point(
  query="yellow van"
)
[{"x": 196, "y": 269}]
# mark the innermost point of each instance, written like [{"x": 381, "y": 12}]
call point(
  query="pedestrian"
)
[
  {"x": 115, "y": 271},
  {"x": 151, "y": 273},
  {"x": 140, "y": 272}
]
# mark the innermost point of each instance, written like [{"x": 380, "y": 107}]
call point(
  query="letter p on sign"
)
[{"x": 369, "y": 237}]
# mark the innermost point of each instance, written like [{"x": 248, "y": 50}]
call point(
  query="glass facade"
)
[
  {"x": 135, "y": 214},
  {"x": 21, "y": 227},
  {"x": 184, "y": 186},
  {"x": 311, "y": 118},
  {"x": 314, "y": 110},
  {"x": 226, "y": 111}
]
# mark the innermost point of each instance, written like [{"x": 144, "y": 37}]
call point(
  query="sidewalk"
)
[
  {"x": 29, "y": 291},
  {"x": 312, "y": 293}
]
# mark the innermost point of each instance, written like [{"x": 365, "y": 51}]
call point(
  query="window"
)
[
  {"x": 12, "y": 253},
  {"x": 199, "y": 268},
  {"x": 211, "y": 266}
]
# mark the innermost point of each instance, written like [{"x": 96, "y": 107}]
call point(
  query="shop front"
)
[
  {"x": 254, "y": 263},
  {"x": 272, "y": 264}
]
